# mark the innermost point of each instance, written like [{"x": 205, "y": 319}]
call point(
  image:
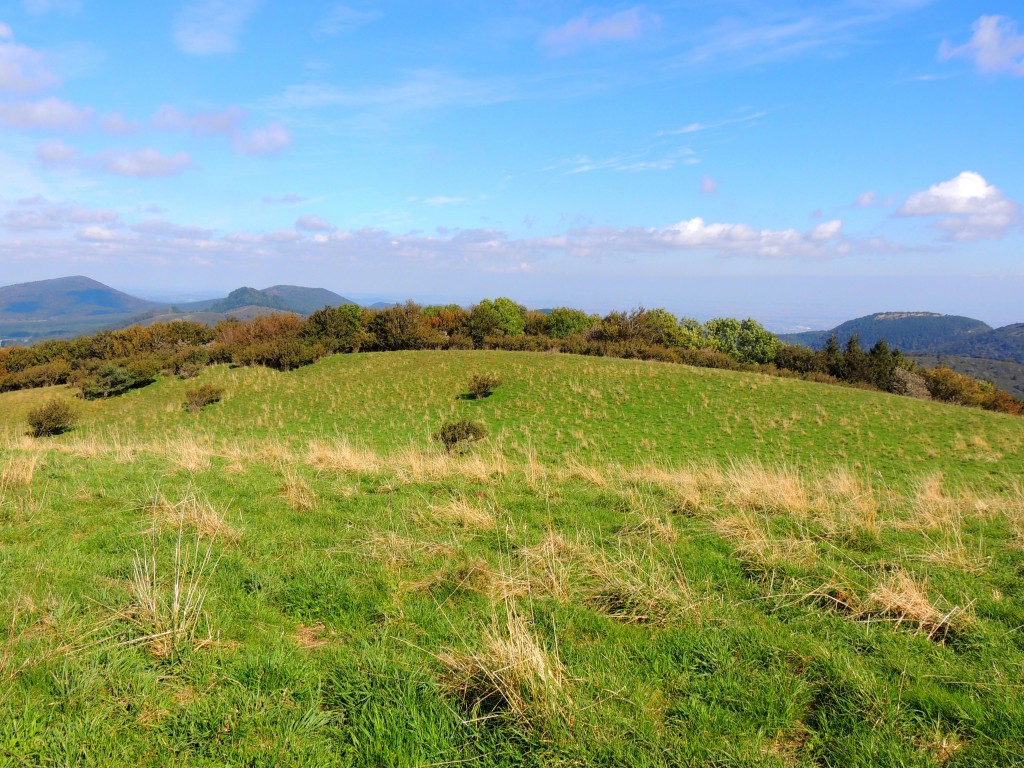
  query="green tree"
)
[
  {"x": 745, "y": 340},
  {"x": 564, "y": 322},
  {"x": 497, "y": 317}
]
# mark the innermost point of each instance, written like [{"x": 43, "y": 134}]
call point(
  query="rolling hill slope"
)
[{"x": 643, "y": 564}]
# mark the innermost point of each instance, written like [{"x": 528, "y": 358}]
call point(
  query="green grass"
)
[{"x": 644, "y": 564}]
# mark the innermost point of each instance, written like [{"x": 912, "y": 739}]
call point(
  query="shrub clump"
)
[
  {"x": 199, "y": 397},
  {"x": 51, "y": 418},
  {"x": 109, "y": 381},
  {"x": 457, "y": 436},
  {"x": 482, "y": 385}
]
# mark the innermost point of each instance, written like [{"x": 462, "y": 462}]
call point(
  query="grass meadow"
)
[{"x": 643, "y": 564}]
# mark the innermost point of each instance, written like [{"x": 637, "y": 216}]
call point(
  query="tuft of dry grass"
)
[
  {"x": 512, "y": 675},
  {"x": 631, "y": 586},
  {"x": 846, "y": 503},
  {"x": 314, "y": 637},
  {"x": 396, "y": 551},
  {"x": 748, "y": 485},
  {"x": 761, "y": 550},
  {"x": 18, "y": 471},
  {"x": 186, "y": 452},
  {"x": 460, "y": 511},
  {"x": 170, "y": 610},
  {"x": 298, "y": 492},
  {"x": 195, "y": 512},
  {"x": 902, "y": 599},
  {"x": 342, "y": 456}
]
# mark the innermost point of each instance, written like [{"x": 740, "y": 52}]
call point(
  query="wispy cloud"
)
[
  {"x": 708, "y": 186},
  {"x": 208, "y": 27},
  {"x": 440, "y": 200},
  {"x": 777, "y": 33},
  {"x": 343, "y": 18},
  {"x": 591, "y": 29},
  {"x": 287, "y": 199},
  {"x": 700, "y": 127},
  {"x": 311, "y": 223},
  {"x": 267, "y": 140},
  {"x": 421, "y": 89},
  {"x": 996, "y": 47},
  {"x": 647, "y": 160}
]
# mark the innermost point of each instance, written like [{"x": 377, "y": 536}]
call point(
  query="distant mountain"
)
[
  {"x": 306, "y": 301},
  {"x": 72, "y": 306},
  {"x": 962, "y": 343},
  {"x": 65, "y": 306},
  {"x": 908, "y": 331}
]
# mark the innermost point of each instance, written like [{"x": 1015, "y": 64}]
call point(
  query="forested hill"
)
[{"x": 925, "y": 333}]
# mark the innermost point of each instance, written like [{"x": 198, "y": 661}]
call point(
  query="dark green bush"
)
[
  {"x": 199, "y": 397},
  {"x": 108, "y": 381},
  {"x": 482, "y": 385},
  {"x": 457, "y": 436},
  {"x": 51, "y": 418}
]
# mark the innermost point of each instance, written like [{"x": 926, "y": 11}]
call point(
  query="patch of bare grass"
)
[{"x": 630, "y": 585}]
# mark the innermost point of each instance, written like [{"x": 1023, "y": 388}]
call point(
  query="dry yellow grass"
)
[
  {"x": 342, "y": 456},
  {"x": 759, "y": 549},
  {"x": 460, "y": 511},
  {"x": 511, "y": 675},
  {"x": 749, "y": 485},
  {"x": 197, "y": 513},
  {"x": 902, "y": 599},
  {"x": 297, "y": 491},
  {"x": 18, "y": 471},
  {"x": 629, "y": 584},
  {"x": 186, "y": 451}
]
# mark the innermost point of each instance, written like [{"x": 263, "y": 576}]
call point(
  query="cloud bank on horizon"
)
[{"x": 438, "y": 151}]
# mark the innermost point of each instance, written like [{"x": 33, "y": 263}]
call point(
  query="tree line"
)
[{"x": 109, "y": 362}]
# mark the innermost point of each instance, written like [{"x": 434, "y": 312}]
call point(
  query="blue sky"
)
[{"x": 798, "y": 162}]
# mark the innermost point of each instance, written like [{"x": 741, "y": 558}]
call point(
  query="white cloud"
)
[
  {"x": 55, "y": 153},
  {"x": 145, "y": 162},
  {"x": 22, "y": 69},
  {"x": 342, "y": 18},
  {"x": 865, "y": 199},
  {"x": 588, "y": 30},
  {"x": 97, "y": 234},
  {"x": 995, "y": 47},
  {"x": 38, "y": 214},
  {"x": 708, "y": 186},
  {"x": 207, "y": 27},
  {"x": 50, "y": 113},
  {"x": 312, "y": 223},
  {"x": 972, "y": 209},
  {"x": 268, "y": 140}
]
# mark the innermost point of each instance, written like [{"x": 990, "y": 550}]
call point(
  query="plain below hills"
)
[{"x": 71, "y": 306}]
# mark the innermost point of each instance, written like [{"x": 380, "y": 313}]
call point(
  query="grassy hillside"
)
[{"x": 643, "y": 564}]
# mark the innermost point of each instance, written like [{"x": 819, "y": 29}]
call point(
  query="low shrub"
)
[
  {"x": 482, "y": 385},
  {"x": 199, "y": 397},
  {"x": 109, "y": 380},
  {"x": 51, "y": 418},
  {"x": 457, "y": 436}
]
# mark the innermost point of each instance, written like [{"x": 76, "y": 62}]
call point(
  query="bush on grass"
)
[{"x": 51, "y": 418}]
